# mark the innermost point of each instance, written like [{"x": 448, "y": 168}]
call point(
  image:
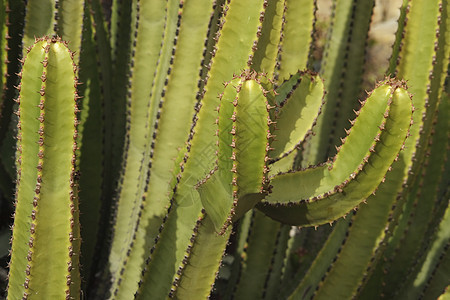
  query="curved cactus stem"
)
[
  {"x": 320, "y": 195},
  {"x": 45, "y": 196},
  {"x": 287, "y": 161},
  {"x": 298, "y": 114},
  {"x": 299, "y": 18},
  {"x": 204, "y": 256}
]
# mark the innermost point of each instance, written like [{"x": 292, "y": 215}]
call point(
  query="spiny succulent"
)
[{"x": 192, "y": 149}]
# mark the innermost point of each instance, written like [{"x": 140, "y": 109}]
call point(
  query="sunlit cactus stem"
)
[
  {"x": 224, "y": 149},
  {"x": 45, "y": 241}
]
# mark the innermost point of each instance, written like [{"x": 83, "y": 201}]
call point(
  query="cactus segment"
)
[
  {"x": 435, "y": 86},
  {"x": 3, "y": 45},
  {"x": 197, "y": 277},
  {"x": 436, "y": 256},
  {"x": 299, "y": 18},
  {"x": 90, "y": 157},
  {"x": 230, "y": 56},
  {"x": 342, "y": 185},
  {"x": 166, "y": 256},
  {"x": 402, "y": 21},
  {"x": 325, "y": 258},
  {"x": 257, "y": 261},
  {"x": 227, "y": 58},
  {"x": 244, "y": 135},
  {"x": 150, "y": 21},
  {"x": 431, "y": 23},
  {"x": 297, "y": 114},
  {"x": 70, "y": 24},
  {"x": 446, "y": 294},
  {"x": 251, "y": 138},
  {"x": 11, "y": 46},
  {"x": 423, "y": 20},
  {"x": 277, "y": 263},
  {"x": 168, "y": 136},
  {"x": 46, "y": 157},
  {"x": 422, "y": 202},
  {"x": 120, "y": 57},
  {"x": 265, "y": 56},
  {"x": 23, "y": 209}
]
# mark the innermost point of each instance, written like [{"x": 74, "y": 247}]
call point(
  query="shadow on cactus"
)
[{"x": 204, "y": 155}]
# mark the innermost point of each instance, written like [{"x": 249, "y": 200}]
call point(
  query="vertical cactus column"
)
[{"x": 45, "y": 241}]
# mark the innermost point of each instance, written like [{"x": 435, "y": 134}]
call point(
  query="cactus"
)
[
  {"x": 195, "y": 149},
  {"x": 46, "y": 242}
]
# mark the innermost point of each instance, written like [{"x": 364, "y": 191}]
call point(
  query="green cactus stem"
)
[
  {"x": 327, "y": 192},
  {"x": 299, "y": 18},
  {"x": 341, "y": 69},
  {"x": 297, "y": 113},
  {"x": 227, "y": 58},
  {"x": 45, "y": 241},
  {"x": 243, "y": 136}
]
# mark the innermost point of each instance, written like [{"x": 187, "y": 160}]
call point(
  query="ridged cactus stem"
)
[
  {"x": 45, "y": 250},
  {"x": 243, "y": 136},
  {"x": 366, "y": 154}
]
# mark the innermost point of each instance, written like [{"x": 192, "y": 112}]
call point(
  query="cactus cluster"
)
[{"x": 190, "y": 149}]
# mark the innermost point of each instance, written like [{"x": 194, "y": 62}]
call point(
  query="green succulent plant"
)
[{"x": 194, "y": 149}]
